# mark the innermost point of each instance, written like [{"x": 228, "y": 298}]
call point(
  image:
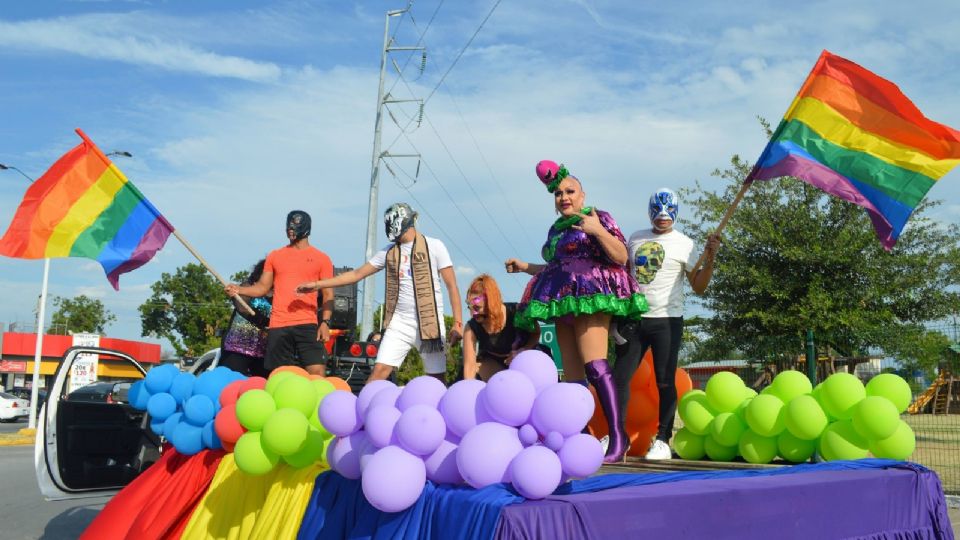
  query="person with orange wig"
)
[{"x": 490, "y": 340}]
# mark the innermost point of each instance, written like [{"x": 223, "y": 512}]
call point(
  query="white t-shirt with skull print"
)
[{"x": 660, "y": 263}]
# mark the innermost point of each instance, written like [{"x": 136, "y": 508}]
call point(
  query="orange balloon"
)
[
  {"x": 684, "y": 383},
  {"x": 296, "y": 370},
  {"x": 339, "y": 384},
  {"x": 316, "y": 377}
]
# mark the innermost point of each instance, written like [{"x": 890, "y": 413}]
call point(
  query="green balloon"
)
[
  {"x": 250, "y": 455},
  {"x": 718, "y": 452},
  {"x": 841, "y": 441},
  {"x": 765, "y": 414},
  {"x": 296, "y": 393},
  {"x": 253, "y": 409},
  {"x": 875, "y": 417},
  {"x": 725, "y": 391},
  {"x": 688, "y": 444},
  {"x": 841, "y": 391},
  {"x": 285, "y": 432},
  {"x": 804, "y": 418},
  {"x": 311, "y": 452},
  {"x": 749, "y": 392},
  {"x": 892, "y": 387},
  {"x": 757, "y": 449},
  {"x": 696, "y": 412},
  {"x": 741, "y": 410},
  {"x": 817, "y": 394},
  {"x": 323, "y": 387},
  {"x": 790, "y": 384},
  {"x": 275, "y": 379},
  {"x": 897, "y": 446},
  {"x": 727, "y": 428},
  {"x": 314, "y": 420},
  {"x": 795, "y": 449}
]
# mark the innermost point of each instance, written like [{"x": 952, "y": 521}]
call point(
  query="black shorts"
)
[{"x": 294, "y": 346}]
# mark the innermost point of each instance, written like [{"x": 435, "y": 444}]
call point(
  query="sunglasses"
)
[{"x": 477, "y": 300}]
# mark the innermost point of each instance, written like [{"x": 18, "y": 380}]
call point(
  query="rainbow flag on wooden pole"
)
[{"x": 856, "y": 136}]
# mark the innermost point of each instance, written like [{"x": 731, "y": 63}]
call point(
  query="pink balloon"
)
[
  {"x": 442, "y": 464},
  {"x": 381, "y": 425},
  {"x": 536, "y": 472},
  {"x": 509, "y": 397},
  {"x": 459, "y": 405},
  {"x": 423, "y": 390},
  {"x": 420, "y": 430},
  {"x": 485, "y": 453},
  {"x": 393, "y": 479},
  {"x": 538, "y": 366},
  {"x": 581, "y": 455}
]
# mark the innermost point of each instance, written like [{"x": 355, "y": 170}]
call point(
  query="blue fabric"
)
[{"x": 338, "y": 509}]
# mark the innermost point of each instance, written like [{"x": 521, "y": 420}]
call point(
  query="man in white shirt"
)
[
  {"x": 413, "y": 311},
  {"x": 660, "y": 258}
]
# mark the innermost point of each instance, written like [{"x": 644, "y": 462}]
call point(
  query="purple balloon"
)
[
  {"x": 346, "y": 454},
  {"x": 459, "y": 405},
  {"x": 393, "y": 479},
  {"x": 338, "y": 413},
  {"x": 385, "y": 397},
  {"x": 452, "y": 437},
  {"x": 562, "y": 407},
  {"x": 423, "y": 390},
  {"x": 442, "y": 464},
  {"x": 380, "y": 425},
  {"x": 420, "y": 430},
  {"x": 553, "y": 441},
  {"x": 509, "y": 397},
  {"x": 538, "y": 366},
  {"x": 485, "y": 453},
  {"x": 528, "y": 435},
  {"x": 581, "y": 455},
  {"x": 368, "y": 392},
  {"x": 536, "y": 472}
]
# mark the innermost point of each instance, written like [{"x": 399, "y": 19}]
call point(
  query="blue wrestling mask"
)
[{"x": 664, "y": 204}]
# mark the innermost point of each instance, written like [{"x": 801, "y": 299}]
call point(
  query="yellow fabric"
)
[{"x": 238, "y": 506}]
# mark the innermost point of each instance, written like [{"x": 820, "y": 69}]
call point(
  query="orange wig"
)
[{"x": 487, "y": 286}]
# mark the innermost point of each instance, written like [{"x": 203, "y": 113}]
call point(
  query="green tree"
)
[
  {"x": 79, "y": 314},
  {"x": 188, "y": 308},
  {"x": 795, "y": 258}
]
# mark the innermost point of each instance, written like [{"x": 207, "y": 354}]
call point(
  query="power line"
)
[
  {"x": 457, "y": 59},
  {"x": 419, "y": 40}
]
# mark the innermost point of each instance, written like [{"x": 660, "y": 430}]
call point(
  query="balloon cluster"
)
[
  {"x": 266, "y": 420},
  {"x": 840, "y": 419},
  {"x": 182, "y": 406},
  {"x": 521, "y": 427}
]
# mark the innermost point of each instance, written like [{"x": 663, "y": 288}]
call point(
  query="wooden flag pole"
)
[
  {"x": 723, "y": 222},
  {"x": 243, "y": 305}
]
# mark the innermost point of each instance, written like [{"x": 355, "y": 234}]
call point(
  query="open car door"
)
[{"x": 90, "y": 448}]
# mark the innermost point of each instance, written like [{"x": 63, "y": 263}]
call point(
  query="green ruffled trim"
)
[{"x": 631, "y": 307}]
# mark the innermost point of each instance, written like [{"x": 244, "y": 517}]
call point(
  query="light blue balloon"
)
[
  {"x": 171, "y": 423},
  {"x": 161, "y": 406},
  {"x": 187, "y": 439},
  {"x": 198, "y": 410},
  {"x": 182, "y": 387},
  {"x": 139, "y": 396},
  {"x": 160, "y": 378},
  {"x": 210, "y": 439}
]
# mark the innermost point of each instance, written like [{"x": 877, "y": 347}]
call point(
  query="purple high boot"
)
[{"x": 601, "y": 377}]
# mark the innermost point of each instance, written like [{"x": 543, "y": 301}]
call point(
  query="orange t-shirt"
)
[{"x": 291, "y": 267}]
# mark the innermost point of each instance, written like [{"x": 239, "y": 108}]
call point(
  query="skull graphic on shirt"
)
[{"x": 647, "y": 261}]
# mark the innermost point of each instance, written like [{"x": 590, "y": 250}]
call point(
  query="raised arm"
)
[
  {"x": 701, "y": 278},
  {"x": 258, "y": 289},
  {"x": 613, "y": 247},
  {"x": 345, "y": 278},
  {"x": 516, "y": 265}
]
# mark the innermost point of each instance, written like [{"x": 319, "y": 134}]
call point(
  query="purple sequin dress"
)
[{"x": 579, "y": 279}]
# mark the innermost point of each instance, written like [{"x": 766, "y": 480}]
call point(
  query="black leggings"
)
[{"x": 663, "y": 336}]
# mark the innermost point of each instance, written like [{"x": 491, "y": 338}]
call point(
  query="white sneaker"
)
[
  {"x": 659, "y": 450},
  {"x": 605, "y": 443}
]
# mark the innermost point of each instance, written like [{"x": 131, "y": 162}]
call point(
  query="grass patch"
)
[{"x": 938, "y": 446}]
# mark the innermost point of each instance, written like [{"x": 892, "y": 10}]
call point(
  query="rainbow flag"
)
[
  {"x": 85, "y": 207},
  {"x": 855, "y": 135}
]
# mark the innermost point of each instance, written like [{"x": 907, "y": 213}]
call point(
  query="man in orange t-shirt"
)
[{"x": 294, "y": 335}]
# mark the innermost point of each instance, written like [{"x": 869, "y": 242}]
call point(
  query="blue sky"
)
[{"x": 237, "y": 112}]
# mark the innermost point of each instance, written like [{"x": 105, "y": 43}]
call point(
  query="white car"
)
[
  {"x": 12, "y": 407},
  {"x": 90, "y": 448}
]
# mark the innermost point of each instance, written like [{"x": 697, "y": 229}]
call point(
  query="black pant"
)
[
  {"x": 662, "y": 335},
  {"x": 294, "y": 345}
]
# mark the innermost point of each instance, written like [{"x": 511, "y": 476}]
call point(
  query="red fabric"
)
[{"x": 159, "y": 502}]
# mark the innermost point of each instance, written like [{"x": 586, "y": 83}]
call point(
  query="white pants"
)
[{"x": 402, "y": 334}]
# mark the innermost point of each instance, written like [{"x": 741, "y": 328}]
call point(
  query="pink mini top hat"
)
[{"x": 551, "y": 174}]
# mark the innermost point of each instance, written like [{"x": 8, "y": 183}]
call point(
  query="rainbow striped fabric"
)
[
  {"x": 85, "y": 207},
  {"x": 856, "y": 136}
]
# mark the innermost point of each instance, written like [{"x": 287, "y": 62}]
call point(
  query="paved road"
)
[
  {"x": 25, "y": 514},
  {"x": 12, "y": 427}
]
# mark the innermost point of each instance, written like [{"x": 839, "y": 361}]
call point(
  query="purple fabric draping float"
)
[{"x": 843, "y": 499}]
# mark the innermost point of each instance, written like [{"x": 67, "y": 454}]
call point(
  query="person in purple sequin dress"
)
[
  {"x": 245, "y": 342},
  {"x": 583, "y": 284}
]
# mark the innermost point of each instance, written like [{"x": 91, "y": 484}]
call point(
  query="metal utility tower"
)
[{"x": 373, "y": 224}]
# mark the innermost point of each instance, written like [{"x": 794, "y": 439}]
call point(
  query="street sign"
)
[{"x": 548, "y": 337}]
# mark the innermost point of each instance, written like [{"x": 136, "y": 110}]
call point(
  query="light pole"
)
[{"x": 37, "y": 353}]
